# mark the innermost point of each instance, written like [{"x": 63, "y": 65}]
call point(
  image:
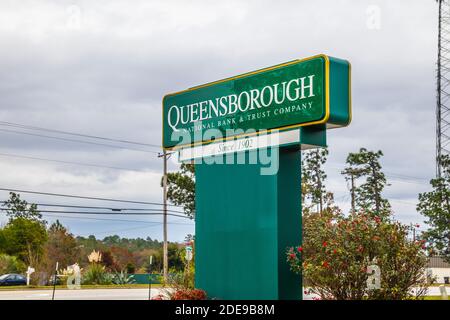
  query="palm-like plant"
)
[
  {"x": 96, "y": 274},
  {"x": 123, "y": 278}
]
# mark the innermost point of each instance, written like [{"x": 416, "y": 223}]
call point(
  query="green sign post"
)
[{"x": 244, "y": 135}]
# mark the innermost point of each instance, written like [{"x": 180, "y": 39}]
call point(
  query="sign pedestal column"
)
[
  {"x": 246, "y": 220},
  {"x": 244, "y": 223}
]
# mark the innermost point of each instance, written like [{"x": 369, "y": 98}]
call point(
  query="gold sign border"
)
[{"x": 321, "y": 121}]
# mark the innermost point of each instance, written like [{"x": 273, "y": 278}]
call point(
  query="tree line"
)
[{"x": 29, "y": 240}]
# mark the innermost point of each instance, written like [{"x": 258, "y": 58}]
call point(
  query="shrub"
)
[
  {"x": 123, "y": 278},
  {"x": 337, "y": 251},
  {"x": 96, "y": 274},
  {"x": 180, "y": 286},
  {"x": 188, "y": 294}
]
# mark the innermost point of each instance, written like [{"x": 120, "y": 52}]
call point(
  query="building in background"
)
[{"x": 439, "y": 269}]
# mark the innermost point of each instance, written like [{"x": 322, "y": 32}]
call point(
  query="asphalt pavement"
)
[
  {"x": 81, "y": 294},
  {"x": 109, "y": 294}
]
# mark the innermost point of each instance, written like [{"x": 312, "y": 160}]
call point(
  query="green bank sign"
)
[{"x": 307, "y": 92}]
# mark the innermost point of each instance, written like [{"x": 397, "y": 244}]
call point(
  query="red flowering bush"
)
[
  {"x": 337, "y": 250},
  {"x": 188, "y": 294}
]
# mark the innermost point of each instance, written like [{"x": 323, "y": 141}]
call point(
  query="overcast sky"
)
[{"x": 101, "y": 68}]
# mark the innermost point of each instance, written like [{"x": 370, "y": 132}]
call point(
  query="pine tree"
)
[
  {"x": 60, "y": 247},
  {"x": 368, "y": 195},
  {"x": 435, "y": 205},
  {"x": 351, "y": 174},
  {"x": 18, "y": 208},
  {"x": 313, "y": 179}
]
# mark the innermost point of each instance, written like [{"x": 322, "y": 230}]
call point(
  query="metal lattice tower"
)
[{"x": 443, "y": 84}]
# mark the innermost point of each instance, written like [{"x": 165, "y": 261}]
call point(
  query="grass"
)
[
  {"x": 433, "y": 298},
  {"x": 64, "y": 287}
]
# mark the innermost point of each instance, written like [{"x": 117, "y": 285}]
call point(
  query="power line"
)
[
  {"x": 117, "y": 230},
  {"x": 97, "y": 207},
  {"x": 338, "y": 165},
  {"x": 69, "y": 162},
  {"x": 107, "y": 213},
  {"x": 406, "y": 181},
  {"x": 402, "y": 176},
  {"x": 108, "y": 208},
  {"x": 403, "y": 201},
  {"x": 83, "y": 197},
  {"x": 393, "y": 176},
  {"x": 75, "y": 140},
  {"x": 99, "y": 219},
  {"x": 24, "y": 126},
  {"x": 104, "y": 219}
]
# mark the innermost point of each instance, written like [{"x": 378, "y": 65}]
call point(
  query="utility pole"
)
[
  {"x": 165, "y": 157},
  {"x": 55, "y": 276},
  {"x": 150, "y": 278}
]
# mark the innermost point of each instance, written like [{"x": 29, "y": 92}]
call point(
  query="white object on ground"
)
[
  {"x": 30, "y": 270},
  {"x": 443, "y": 292}
]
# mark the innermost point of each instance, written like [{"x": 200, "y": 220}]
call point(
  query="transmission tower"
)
[{"x": 443, "y": 84}]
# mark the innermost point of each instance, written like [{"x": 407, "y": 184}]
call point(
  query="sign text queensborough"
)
[{"x": 282, "y": 97}]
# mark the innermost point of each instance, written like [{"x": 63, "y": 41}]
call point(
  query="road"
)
[
  {"x": 82, "y": 294},
  {"x": 108, "y": 294}
]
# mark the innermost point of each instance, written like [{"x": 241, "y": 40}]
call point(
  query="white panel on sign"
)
[{"x": 239, "y": 145}]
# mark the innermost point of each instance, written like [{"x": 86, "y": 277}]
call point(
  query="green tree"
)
[
  {"x": 60, "y": 247},
  {"x": 2, "y": 241},
  {"x": 435, "y": 205},
  {"x": 143, "y": 261},
  {"x": 181, "y": 188},
  {"x": 10, "y": 264},
  {"x": 175, "y": 258},
  {"x": 114, "y": 240},
  {"x": 368, "y": 195},
  {"x": 108, "y": 261},
  {"x": 25, "y": 239},
  {"x": 25, "y": 234},
  {"x": 140, "y": 249},
  {"x": 17, "y": 208},
  {"x": 123, "y": 258},
  {"x": 313, "y": 178}
]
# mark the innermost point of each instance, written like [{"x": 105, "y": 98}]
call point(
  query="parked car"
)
[{"x": 12, "y": 279}]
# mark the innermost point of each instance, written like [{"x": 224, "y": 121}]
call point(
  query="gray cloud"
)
[{"x": 102, "y": 68}]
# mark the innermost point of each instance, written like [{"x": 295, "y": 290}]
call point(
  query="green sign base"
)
[{"x": 244, "y": 223}]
